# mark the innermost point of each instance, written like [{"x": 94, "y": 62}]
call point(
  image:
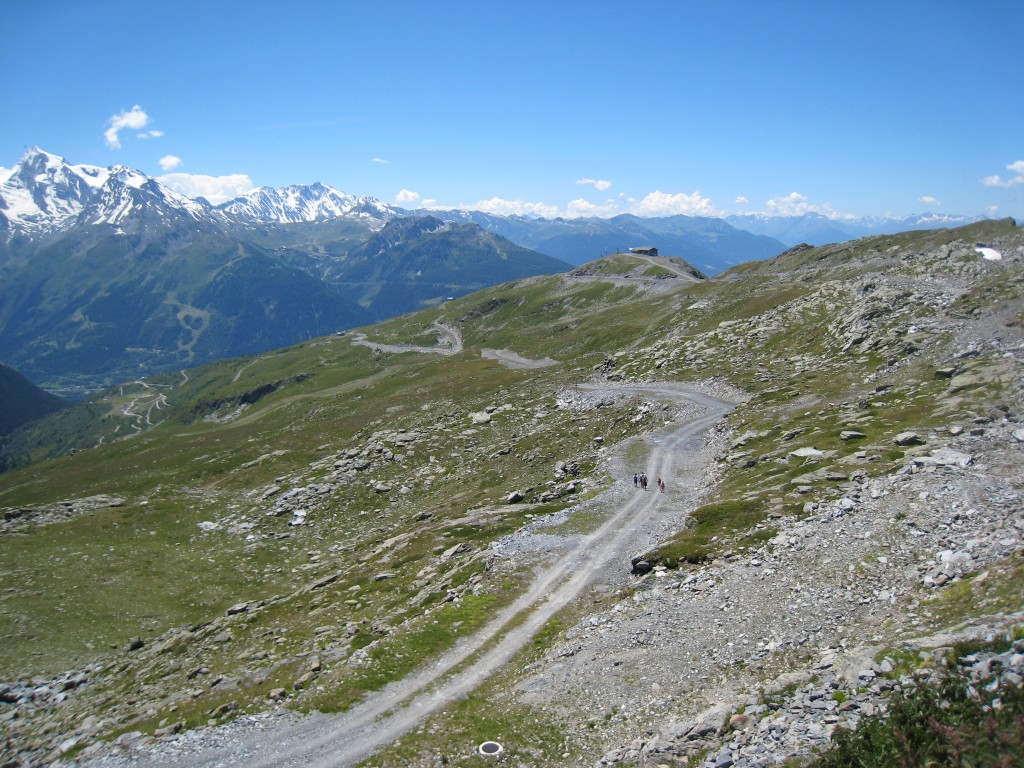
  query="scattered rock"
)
[{"x": 907, "y": 438}]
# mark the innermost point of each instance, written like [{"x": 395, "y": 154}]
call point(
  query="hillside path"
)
[
  {"x": 449, "y": 340},
  {"x": 329, "y": 741}
]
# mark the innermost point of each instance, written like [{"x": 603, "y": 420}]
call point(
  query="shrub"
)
[{"x": 947, "y": 723}]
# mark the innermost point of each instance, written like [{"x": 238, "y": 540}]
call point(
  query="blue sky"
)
[{"x": 557, "y": 108}]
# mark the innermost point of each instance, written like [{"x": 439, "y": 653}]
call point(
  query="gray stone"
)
[
  {"x": 944, "y": 457},
  {"x": 240, "y": 608},
  {"x": 907, "y": 438}
]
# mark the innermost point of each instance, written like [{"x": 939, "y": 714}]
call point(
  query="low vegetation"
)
[{"x": 952, "y": 721}]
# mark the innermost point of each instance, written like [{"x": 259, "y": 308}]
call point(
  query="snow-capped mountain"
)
[
  {"x": 44, "y": 194},
  {"x": 43, "y": 191},
  {"x": 306, "y": 203},
  {"x": 127, "y": 193}
]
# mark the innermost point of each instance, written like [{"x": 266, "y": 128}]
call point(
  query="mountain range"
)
[
  {"x": 107, "y": 274},
  {"x": 816, "y": 229}
]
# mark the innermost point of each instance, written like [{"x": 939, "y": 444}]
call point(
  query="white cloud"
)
[
  {"x": 928, "y": 200},
  {"x": 665, "y": 204},
  {"x": 599, "y": 184},
  {"x": 580, "y": 208},
  {"x": 1017, "y": 168},
  {"x": 503, "y": 207},
  {"x": 5, "y": 174},
  {"x": 741, "y": 200},
  {"x": 407, "y": 196},
  {"x": 151, "y": 135},
  {"x": 793, "y": 204},
  {"x": 216, "y": 189},
  {"x": 134, "y": 118},
  {"x": 170, "y": 162},
  {"x": 380, "y": 160}
]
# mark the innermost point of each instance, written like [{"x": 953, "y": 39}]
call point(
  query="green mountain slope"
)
[
  {"x": 102, "y": 303},
  {"x": 21, "y": 401},
  {"x": 416, "y": 262},
  {"x": 108, "y": 306},
  {"x": 300, "y": 528}
]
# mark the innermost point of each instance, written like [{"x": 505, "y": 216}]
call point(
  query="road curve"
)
[
  {"x": 321, "y": 741},
  {"x": 448, "y": 336}
]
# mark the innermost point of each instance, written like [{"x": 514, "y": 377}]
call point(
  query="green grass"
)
[
  {"x": 971, "y": 597},
  {"x": 707, "y": 533},
  {"x": 393, "y": 657},
  {"x": 530, "y": 737}
]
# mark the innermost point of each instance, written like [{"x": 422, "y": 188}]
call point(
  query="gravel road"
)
[{"x": 635, "y": 519}]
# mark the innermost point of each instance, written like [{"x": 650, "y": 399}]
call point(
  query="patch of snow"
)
[{"x": 990, "y": 254}]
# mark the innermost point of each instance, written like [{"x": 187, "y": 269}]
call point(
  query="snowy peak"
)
[
  {"x": 304, "y": 203},
  {"x": 43, "y": 190},
  {"x": 129, "y": 194},
  {"x": 44, "y": 193}
]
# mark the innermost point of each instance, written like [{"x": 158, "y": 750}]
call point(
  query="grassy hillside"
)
[{"x": 324, "y": 512}]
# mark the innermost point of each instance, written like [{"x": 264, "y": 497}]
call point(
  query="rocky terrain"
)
[
  {"x": 741, "y": 660},
  {"x": 874, "y": 450}
]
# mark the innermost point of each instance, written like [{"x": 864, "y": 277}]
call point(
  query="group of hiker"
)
[{"x": 640, "y": 481}]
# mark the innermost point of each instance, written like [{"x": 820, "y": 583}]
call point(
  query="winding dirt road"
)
[
  {"x": 449, "y": 342},
  {"x": 322, "y": 741}
]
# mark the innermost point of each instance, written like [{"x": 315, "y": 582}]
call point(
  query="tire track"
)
[{"x": 321, "y": 741}]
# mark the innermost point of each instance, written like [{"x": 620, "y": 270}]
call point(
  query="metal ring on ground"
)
[{"x": 491, "y": 749}]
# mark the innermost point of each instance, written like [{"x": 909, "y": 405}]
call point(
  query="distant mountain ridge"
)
[
  {"x": 306, "y": 203},
  {"x": 712, "y": 245},
  {"x": 44, "y": 194},
  {"x": 414, "y": 262},
  {"x": 816, "y": 229}
]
